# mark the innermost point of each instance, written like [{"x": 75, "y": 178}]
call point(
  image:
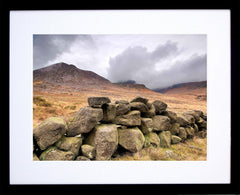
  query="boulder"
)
[
  {"x": 190, "y": 119},
  {"x": 152, "y": 139},
  {"x": 49, "y": 132},
  {"x": 138, "y": 106},
  {"x": 121, "y": 102},
  {"x": 195, "y": 127},
  {"x": 171, "y": 115},
  {"x": 160, "y": 106},
  {"x": 202, "y": 124},
  {"x": 202, "y": 134},
  {"x": 88, "y": 151},
  {"x": 182, "y": 120},
  {"x": 109, "y": 112},
  {"x": 79, "y": 158},
  {"x": 72, "y": 144},
  {"x": 146, "y": 125},
  {"x": 132, "y": 118},
  {"x": 165, "y": 139},
  {"x": 190, "y": 132},
  {"x": 104, "y": 138},
  {"x": 182, "y": 133},
  {"x": 35, "y": 158},
  {"x": 174, "y": 129},
  {"x": 204, "y": 117},
  {"x": 131, "y": 139},
  {"x": 122, "y": 109},
  {"x": 84, "y": 120},
  {"x": 161, "y": 123},
  {"x": 175, "y": 139},
  {"x": 97, "y": 102},
  {"x": 193, "y": 113},
  {"x": 140, "y": 99},
  {"x": 52, "y": 153},
  {"x": 150, "y": 113}
]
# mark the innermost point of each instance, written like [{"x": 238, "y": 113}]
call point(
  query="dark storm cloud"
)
[
  {"x": 136, "y": 63},
  {"x": 48, "y": 47}
]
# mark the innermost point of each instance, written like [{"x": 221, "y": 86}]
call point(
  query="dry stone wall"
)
[{"x": 97, "y": 131}]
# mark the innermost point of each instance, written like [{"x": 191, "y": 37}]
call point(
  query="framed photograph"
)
[{"x": 120, "y": 97}]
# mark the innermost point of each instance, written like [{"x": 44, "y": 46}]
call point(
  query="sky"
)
[{"x": 155, "y": 60}]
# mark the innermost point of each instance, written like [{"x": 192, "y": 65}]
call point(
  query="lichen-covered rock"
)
[
  {"x": 174, "y": 129},
  {"x": 70, "y": 144},
  {"x": 190, "y": 132},
  {"x": 202, "y": 134},
  {"x": 97, "y": 102},
  {"x": 151, "y": 111},
  {"x": 35, "y": 158},
  {"x": 52, "y": 153},
  {"x": 84, "y": 120},
  {"x": 182, "y": 120},
  {"x": 146, "y": 125},
  {"x": 121, "y": 102},
  {"x": 175, "y": 139},
  {"x": 138, "y": 106},
  {"x": 160, "y": 106},
  {"x": 171, "y": 115},
  {"x": 104, "y": 138},
  {"x": 202, "y": 124},
  {"x": 182, "y": 133},
  {"x": 109, "y": 112},
  {"x": 193, "y": 113},
  {"x": 165, "y": 139},
  {"x": 140, "y": 99},
  {"x": 122, "y": 108},
  {"x": 80, "y": 158},
  {"x": 131, "y": 139},
  {"x": 161, "y": 123},
  {"x": 88, "y": 151},
  {"x": 152, "y": 139},
  {"x": 49, "y": 132},
  {"x": 195, "y": 127},
  {"x": 132, "y": 118}
]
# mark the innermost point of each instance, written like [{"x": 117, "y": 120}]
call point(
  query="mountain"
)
[
  {"x": 185, "y": 88},
  {"x": 70, "y": 78}
]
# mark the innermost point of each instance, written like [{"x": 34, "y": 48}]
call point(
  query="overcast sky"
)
[{"x": 157, "y": 61}]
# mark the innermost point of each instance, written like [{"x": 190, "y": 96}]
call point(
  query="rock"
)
[
  {"x": 146, "y": 125},
  {"x": 52, "y": 153},
  {"x": 193, "y": 113},
  {"x": 202, "y": 134},
  {"x": 152, "y": 139},
  {"x": 138, "y": 106},
  {"x": 190, "y": 132},
  {"x": 198, "y": 112},
  {"x": 161, "y": 123},
  {"x": 104, "y": 138},
  {"x": 130, "y": 119},
  {"x": 159, "y": 106},
  {"x": 70, "y": 144},
  {"x": 150, "y": 113},
  {"x": 84, "y": 120},
  {"x": 204, "y": 117},
  {"x": 97, "y": 102},
  {"x": 171, "y": 115},
  {"x": 140, "y": 99},
  {"x": 202, "y": 124},
  {"x": 109, "y": 112},
  {"x": 182, "y": 120},
  {"x": 121, "y": 102},
  {"x": 175, "y": 139},
  {"x": 49, "y": 132},
  {"x": 35, "y": 158},
  {"x": 190, "y": 119},
  {"x": 88, "y": 151},
  {"x": 79, "y": 158},
  {"x": 182, "y": 133},
  {"x": 122, "y": 109},
  {"x": 174, "y": 129},
  {"x": 131, "y": 139},
  {"x": 165, "y": 139},
  {"x": 195, "y": 127}
]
